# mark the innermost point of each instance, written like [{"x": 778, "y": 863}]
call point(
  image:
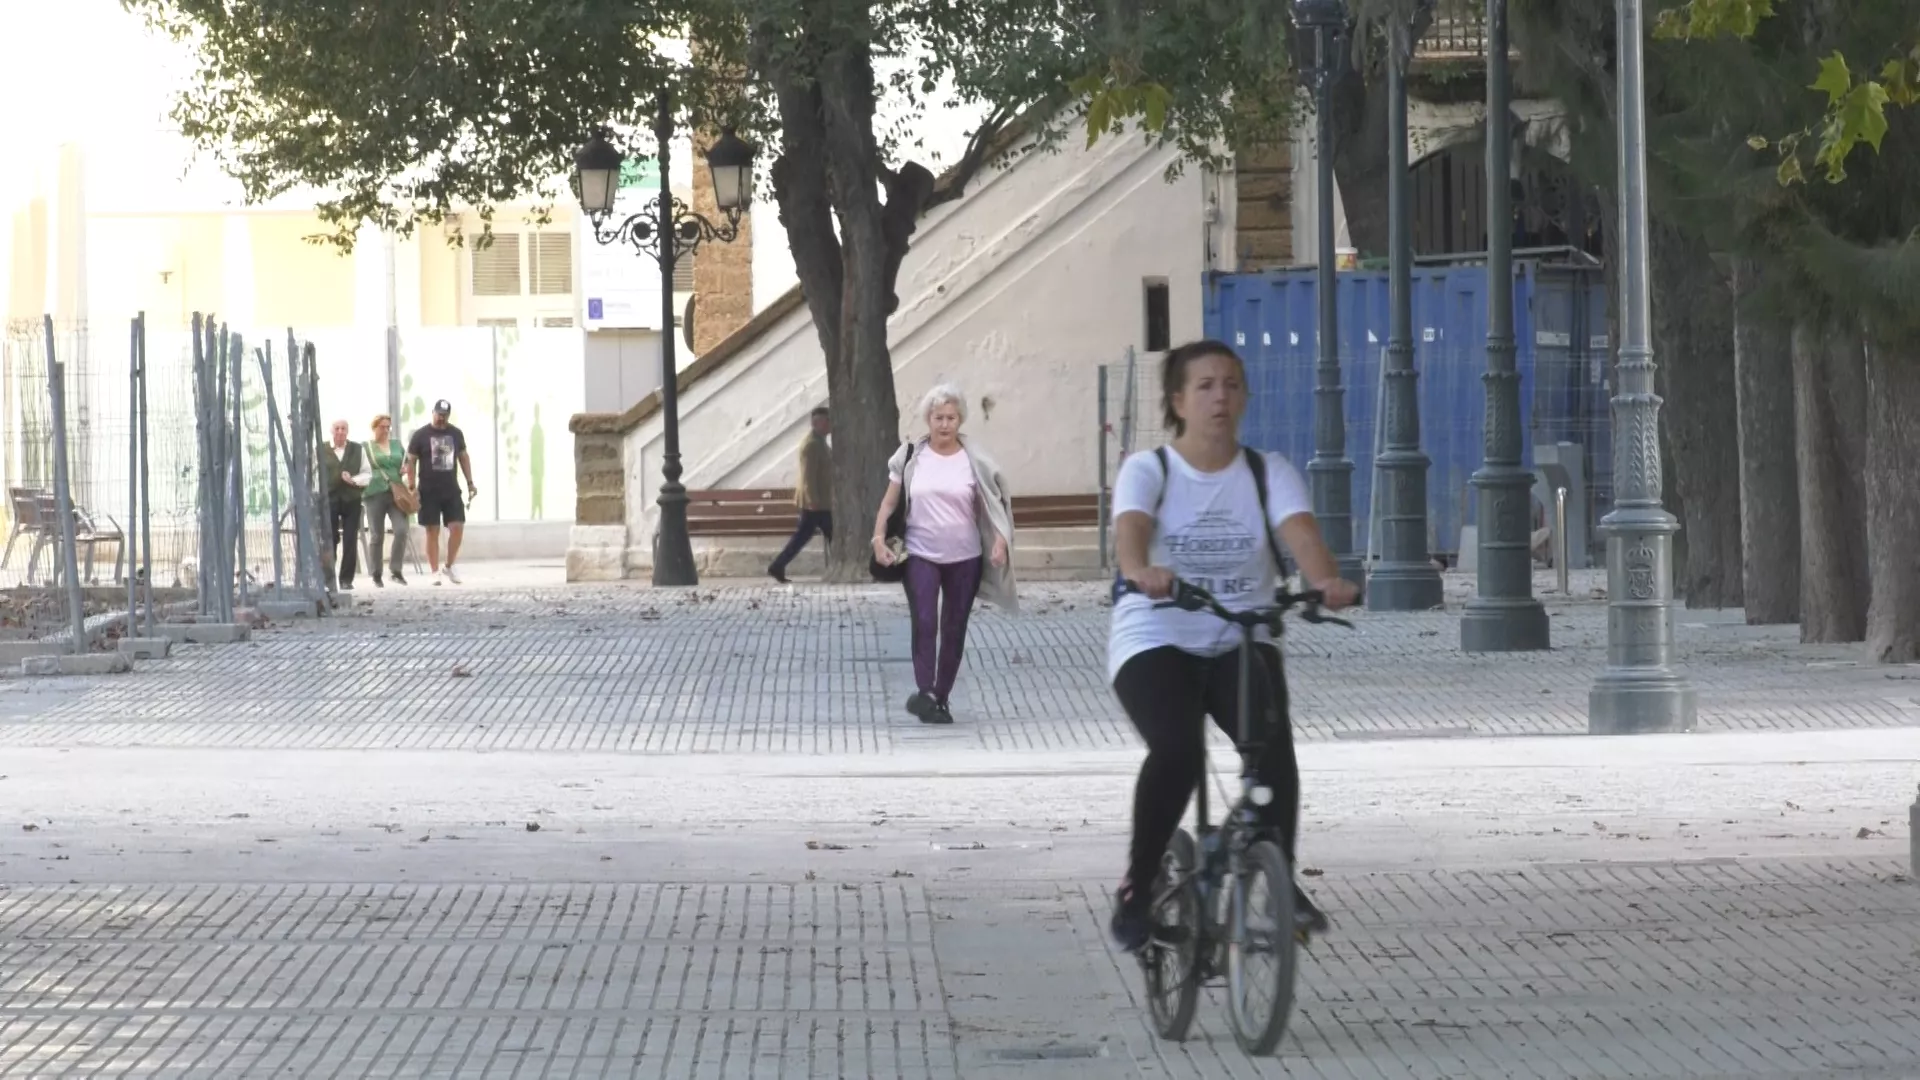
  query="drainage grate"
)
[
  {"x": 1047, "y": 1053},
  {"x": 1417, "y": 733}
]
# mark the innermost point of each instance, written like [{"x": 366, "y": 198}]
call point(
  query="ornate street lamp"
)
[
  {"x": 1503, "y": 615},
  {"x": 1405, "y": 579},
  {"x": 665, "y": 233},
  {"x": 1641, "y": 689},
  {"x": 1330, "y": 472}
]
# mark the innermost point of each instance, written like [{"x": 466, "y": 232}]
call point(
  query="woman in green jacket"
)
[{"x": 385, "y": 454}]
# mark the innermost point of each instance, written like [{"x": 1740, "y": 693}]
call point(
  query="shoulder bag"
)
[
  {"x": 896, "y": 534},
  {"x": 405, "y": 499}
]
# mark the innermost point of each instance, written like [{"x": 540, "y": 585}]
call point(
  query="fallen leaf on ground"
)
[
  {"x": 533, "y": 826},
  {"x": 816, "y": 845},
  {"x": 460, "y": 672}
]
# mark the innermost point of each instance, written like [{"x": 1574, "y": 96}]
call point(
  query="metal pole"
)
[
  {"x": 1503, "y": 616},
  {"x": 130, "y": 546},
  {"x": 240, "y": 470},
  {"x": 200, "y": 443},
  {"x": 1330, "y": 472},
  {"x": 1405, "y": 579},
  {"x": 673, "y": 552},
  {"x": 265, "y": 357},
  {"x": 1560, "y": 544},
  {"x": 63, "y": 494},
  {"x": 1640, "y": 689},
  {"x": 1102, "y": 472},
  {"x": 146, "y": 491},
  {"x": 494, "y": 374}
]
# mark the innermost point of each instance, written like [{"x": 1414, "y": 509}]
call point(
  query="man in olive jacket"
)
[
  {"x": 347, "y": 472},
  {"x": 812, "y": 493}
]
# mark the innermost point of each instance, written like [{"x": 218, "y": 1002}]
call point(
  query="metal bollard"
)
[{"x": 1560, "y": 538}]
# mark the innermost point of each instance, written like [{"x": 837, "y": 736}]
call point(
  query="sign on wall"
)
[{"x": 619, "y": 286}]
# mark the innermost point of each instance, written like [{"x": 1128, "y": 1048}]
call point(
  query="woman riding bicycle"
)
[{"x": 1201, "y": 511}]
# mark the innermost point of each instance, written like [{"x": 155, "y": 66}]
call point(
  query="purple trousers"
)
[{"x": 940, "y": 597}]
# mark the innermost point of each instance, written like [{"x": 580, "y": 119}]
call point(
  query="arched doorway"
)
[{"x": 1551, "y": 207}]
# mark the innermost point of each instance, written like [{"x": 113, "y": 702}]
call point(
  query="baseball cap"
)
[{"x": 442, "y": 406}]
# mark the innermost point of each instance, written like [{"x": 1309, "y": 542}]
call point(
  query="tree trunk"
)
[
  {"x": 1830, "y": 419},
  {"x": 1693, "y": 344},
  {"x": 1769, "y": 478},
  {"x": 1893, "y": 501},
  {"x": 1360, "y": 158}
]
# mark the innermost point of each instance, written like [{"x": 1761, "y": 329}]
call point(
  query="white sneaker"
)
[
  {"x": 451, "y": 576},
  {"x": 439, "y": 576}
]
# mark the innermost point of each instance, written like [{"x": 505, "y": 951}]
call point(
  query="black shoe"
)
[
  {"x": 941, "y": 714},
  {"x": 921, "y": 705},
  {"x": 778, "y": 574},
  {"x": 377, "y": 583},
  {"x": 399, "y": 578},
  {"x": 1307, "y": 919},
  {"x": 1132, "y": 925}
]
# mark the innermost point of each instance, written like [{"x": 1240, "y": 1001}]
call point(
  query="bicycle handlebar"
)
[{"x": 1190, "y": 597}]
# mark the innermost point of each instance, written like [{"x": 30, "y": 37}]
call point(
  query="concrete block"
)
[
  {"x": 150, "y": 648},
  {"x": 205, "y": 633},
  {"x": 69, "y": 664},
  {"x": 12, "y": 652},
  {"x": 288, "y": 609}
]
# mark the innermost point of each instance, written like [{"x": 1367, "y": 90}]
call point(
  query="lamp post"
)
[
  {"x": 665, "y": 232},
  {"x": 1503, "y": 616},
  {"x": 1330, "y": 472},
  {"x": 1640, "y": 690},
  {"x": 1406, "y": 579}
]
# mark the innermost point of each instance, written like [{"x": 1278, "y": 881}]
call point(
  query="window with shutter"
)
[
  {"x": 496, "y": 267},
  {"x": 497, "y": 324},
  {"x": 557, "y": 322},
  {"x": 551, "y": 264},
  {"x": 683, "y": 273}
]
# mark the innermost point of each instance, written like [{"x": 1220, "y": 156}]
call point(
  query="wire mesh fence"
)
[{"x": 1564, "y": 419}]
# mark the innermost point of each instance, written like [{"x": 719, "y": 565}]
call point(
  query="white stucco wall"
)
[{"x": 1018, "y": 292}]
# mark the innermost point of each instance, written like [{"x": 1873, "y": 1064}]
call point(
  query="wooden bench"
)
[{"x": 770, "y": 512}]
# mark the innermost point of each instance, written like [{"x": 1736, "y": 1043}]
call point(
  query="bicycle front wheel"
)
[
  {"x": 1260, "y": 950},
  {"x": 1171, "y": 960}
]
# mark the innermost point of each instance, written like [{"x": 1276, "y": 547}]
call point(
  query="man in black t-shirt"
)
[{"x": 433, "y": 450}]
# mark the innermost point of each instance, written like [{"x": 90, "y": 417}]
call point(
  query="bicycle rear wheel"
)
[
  {"x": 1171, "y": 960},
  {"x": 1260, "y": 950}
]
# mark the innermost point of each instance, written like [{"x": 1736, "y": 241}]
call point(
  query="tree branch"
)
[{"x": 979, "y": 147}]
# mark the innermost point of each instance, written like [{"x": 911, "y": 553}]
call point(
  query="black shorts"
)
[{"x": 441, "y": 507}]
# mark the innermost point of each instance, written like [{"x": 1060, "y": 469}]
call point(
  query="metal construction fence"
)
[
  {"x": 144, "y": 484},
  {"x": 1452, "y": 433}
]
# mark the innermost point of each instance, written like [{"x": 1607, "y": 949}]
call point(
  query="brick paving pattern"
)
[
  {"x": 1728, "y": 970},
  {"x": 824, "y": 670}
]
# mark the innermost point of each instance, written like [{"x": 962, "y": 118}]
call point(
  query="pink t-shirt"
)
[{"x": 941, "y": 526}]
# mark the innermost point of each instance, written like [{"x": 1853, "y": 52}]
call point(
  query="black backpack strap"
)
[
  {"x": 1166, "y": 475},
  {"x": 1257, "y": 462}
]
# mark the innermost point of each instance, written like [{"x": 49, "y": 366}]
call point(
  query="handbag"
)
[
  {"x": 896, "y": 535},
  {"x": 405, "y": 499}
]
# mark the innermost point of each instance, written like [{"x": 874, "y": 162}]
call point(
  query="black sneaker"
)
[
  {"x": 778, "y": 574},
  {"x": 921, "y": 705},
  {"x": 1132, "y": 925},
  {"x": 399, "y": 578},
  {"x": 941, "y": 714},
  {"x": 1307, "y": 919}
]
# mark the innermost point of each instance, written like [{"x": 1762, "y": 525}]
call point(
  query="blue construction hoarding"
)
[{"x": 1560, "y": 332}]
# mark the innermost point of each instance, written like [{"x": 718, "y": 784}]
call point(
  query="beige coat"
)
[{"x": 993, "y": 516}]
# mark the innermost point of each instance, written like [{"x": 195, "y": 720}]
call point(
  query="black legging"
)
[{"x": 1165, "y": 692}]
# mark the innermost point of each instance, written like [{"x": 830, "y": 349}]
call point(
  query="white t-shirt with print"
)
[{"x": 1208, "y": 533}]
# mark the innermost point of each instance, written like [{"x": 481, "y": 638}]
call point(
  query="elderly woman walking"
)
[{"x": 959, "y": 536}]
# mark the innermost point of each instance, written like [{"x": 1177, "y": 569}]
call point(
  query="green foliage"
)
[
  {"x": 1856, "y": 107},
  {"x": 1712, "y": 18}
]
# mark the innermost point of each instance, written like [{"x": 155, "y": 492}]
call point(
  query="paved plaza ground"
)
[{"x": 524, "y": 829}]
